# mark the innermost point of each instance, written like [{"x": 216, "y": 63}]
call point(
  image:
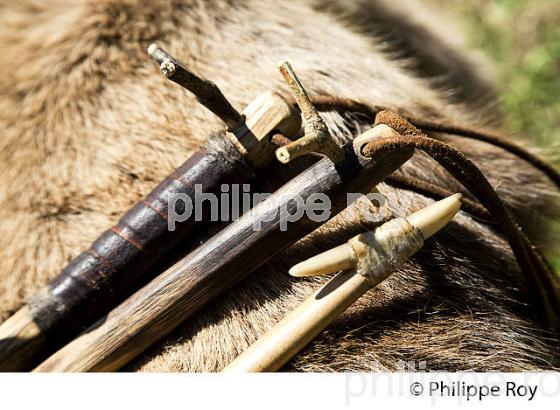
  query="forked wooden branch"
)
[{"x": 317, "y": 137}]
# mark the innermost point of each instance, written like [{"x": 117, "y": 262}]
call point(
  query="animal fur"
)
[{"x": 89, "y": 127}]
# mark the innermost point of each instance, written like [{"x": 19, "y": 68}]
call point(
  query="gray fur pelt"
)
[{"x": 89, "y": 127}]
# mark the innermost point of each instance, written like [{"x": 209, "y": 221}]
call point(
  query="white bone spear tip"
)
[
  {"x": 340, "y": 258},
  {"x": 428, "y": 220},
  {"x": 434, "y": 217}
]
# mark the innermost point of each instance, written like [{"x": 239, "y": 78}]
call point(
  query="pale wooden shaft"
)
[
  {"x": 266, "y": 113},
  {"x": 301, "y": 325},
  {"x": 19, "y": 335}
]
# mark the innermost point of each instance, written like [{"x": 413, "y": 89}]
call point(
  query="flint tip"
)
[{"x": 434, "y": 217}]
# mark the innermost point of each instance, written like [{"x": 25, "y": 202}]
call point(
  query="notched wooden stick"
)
[{"x": 317, "y": 137}]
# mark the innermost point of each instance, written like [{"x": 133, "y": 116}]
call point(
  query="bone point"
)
[
  {"x": 340, "y": 258},
  {"x": 433, "y": 218},
  {"x": 428, "y": 221}
]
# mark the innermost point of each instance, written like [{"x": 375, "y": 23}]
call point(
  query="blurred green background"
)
[{"x": 522, "y": 38}]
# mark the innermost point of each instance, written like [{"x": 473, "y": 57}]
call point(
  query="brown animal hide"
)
[{"x": 89, "y": 127}]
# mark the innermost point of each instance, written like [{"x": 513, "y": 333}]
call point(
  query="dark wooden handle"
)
[
  {"x": 123, "y": 257},
  {"x": 119, "y": 262}
]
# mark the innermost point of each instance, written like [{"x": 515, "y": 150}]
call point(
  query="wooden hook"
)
[{"x": 317, "y": 137}]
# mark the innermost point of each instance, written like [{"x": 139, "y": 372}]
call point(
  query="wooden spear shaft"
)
[
  {"x": 299, "y": 327},
  {"x": 220, "y": 263}
]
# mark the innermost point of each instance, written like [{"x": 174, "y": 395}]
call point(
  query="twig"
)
[{"x": 206, "y": 92}]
